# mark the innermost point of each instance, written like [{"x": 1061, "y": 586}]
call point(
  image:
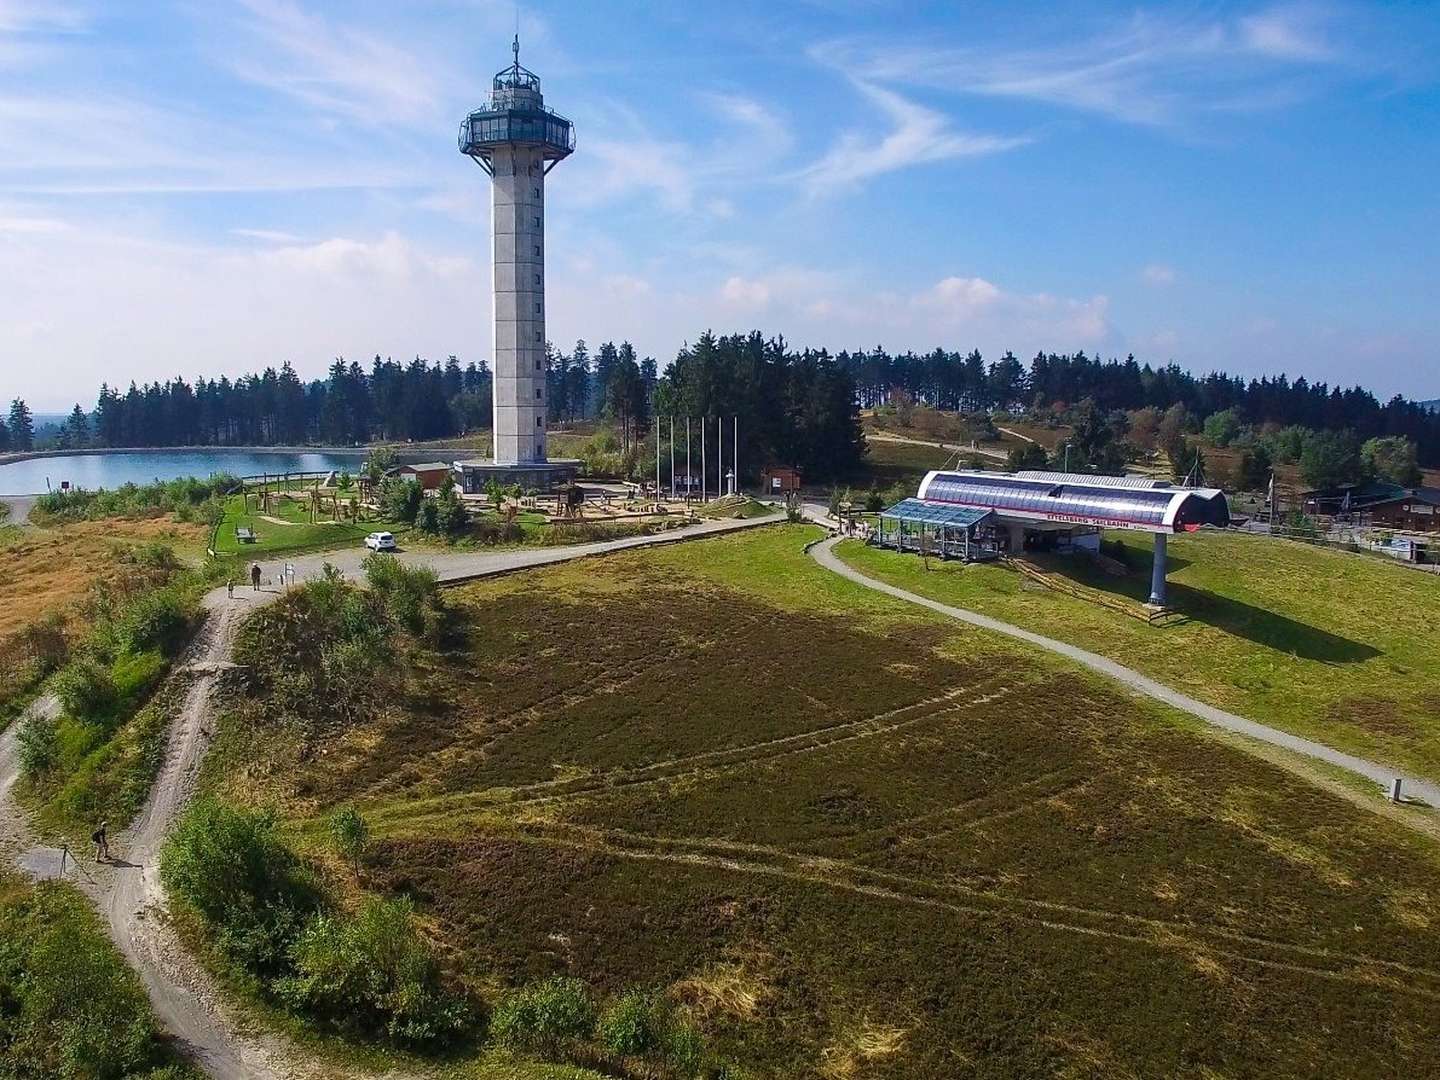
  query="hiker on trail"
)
[
  {"x": 102, "y": 844},
  {"x": 230, "y": 588},
  {"x": 255, "y": 575}
]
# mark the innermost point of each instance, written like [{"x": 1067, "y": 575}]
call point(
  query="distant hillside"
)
[{"x": 1433, "y": 405}]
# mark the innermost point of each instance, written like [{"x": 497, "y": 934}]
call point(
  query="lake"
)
[{"x": 35, "y": 476}]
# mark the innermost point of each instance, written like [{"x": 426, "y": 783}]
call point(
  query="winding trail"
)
[
  {"x": 956, "y": 448},
  {"x": 1379, "y": 773},
  {"x": 128, "y": 892}
]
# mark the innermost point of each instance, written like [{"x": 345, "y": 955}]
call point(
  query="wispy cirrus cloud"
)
[
  {"x": 32, "y": 16},
  {"x": 335, "y": 66},
  {"x": 916, "y": 135},
  {"x": 1156, "y": 67}
]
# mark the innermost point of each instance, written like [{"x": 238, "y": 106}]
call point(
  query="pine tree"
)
[{"x": 22, "y": 426}]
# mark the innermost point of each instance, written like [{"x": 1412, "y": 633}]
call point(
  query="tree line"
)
[
  {"x": 797, "y": 407},
  {"x": 1057, "y": 382}
]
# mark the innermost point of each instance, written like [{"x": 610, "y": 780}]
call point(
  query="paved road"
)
[
  {"x": 1381, "y": 774},
  {"x": 454, "y": 566}
]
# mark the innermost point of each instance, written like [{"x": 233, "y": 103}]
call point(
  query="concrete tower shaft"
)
[
  {"x": 517, "y": 140},
  {"x": 518, "y": 239}
]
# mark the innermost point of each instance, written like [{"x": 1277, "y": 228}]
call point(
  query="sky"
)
[{"x": 192, "y": 187}]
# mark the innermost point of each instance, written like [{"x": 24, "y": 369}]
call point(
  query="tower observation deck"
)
[{"x": 517, "y": 141}]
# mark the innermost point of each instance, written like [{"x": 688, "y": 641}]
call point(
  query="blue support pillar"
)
[{"x": 1157, "y": 573}]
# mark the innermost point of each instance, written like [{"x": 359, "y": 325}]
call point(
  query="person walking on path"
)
[
  {"x": 255, "y": 576},
  {"x": 230, "y": 589},
  {"x": 102, "y": 844}
]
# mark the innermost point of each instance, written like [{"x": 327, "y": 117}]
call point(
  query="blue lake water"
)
[{"x": 38, "y": 475}]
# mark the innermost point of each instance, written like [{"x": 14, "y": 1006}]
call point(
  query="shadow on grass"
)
[{"x": 1257, "y": 624}]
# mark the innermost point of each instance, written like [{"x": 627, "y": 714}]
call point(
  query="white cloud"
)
[
  {"x": 961, "y": 294},
  {"x": 1294, "y": 32},
  {"x": 269, "y": 236},
  {"x": 917, "y": 135},
  {"x": 745, "y": 293},
  {"x": 16, "y": 224},
  {"x": 1156, "y": 67},
  {"x": 335, "y": 66},
  {"x": 32, "y": 16},
  {"x": 1158, "y": 274},
  {"x": 767, "y": 132}
]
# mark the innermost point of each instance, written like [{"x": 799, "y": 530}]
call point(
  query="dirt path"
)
[
  {"x": 16, "y": 837},
  {"x": 128, "y": 891},
  {"x": 1375, "y": 772},
  {"x": 1014, "y": 434},
  {"x": 883, "y": 436}
]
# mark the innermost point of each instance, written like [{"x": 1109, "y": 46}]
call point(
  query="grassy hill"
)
[
  {"x": 1337, "y": 647},
  {"x": 849, "y": 838}
]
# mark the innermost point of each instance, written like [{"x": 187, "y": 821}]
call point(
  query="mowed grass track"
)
[
  {"x": 1333, "y": 646},
  {"x": 856, "y": 840}
]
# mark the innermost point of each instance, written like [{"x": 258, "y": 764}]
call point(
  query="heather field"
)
[
  {"x": 845, "y": 838},
  {"x": 1338, "y": 647}
]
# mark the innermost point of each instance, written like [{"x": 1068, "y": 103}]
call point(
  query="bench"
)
[{"x": 244, "y": 534}]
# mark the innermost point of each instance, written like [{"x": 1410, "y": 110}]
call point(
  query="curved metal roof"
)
[{"x": 1079, "y": 499}]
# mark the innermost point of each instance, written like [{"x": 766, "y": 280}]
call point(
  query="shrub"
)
[
  {"x": 400, "y": 500},
  {"x": 684, "y": 1049},
  {"x": 371, "y": 971},
  {"x": 38, "y": 745},
  {"x": 44, "y": 643},
  {"x": 72, "y": 1009},
  {"x": 231, "y": 866},
  {"x": 349, "y": 832},
  {"x": 874, "y": 502},
  {"x": 632, "y": 1025},
  {"x": 410, "y": 594},
  {"x": 85, "y": 688},
  {"x": 545, "y": 1016},
  {"x": 153, "y": 620}
]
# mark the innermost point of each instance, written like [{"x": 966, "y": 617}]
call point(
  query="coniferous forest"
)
[{"x": 797, "y": 406}]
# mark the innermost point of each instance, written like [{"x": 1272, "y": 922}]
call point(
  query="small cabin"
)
[
  {"x": 430, "y": 474},
  {"x": 781, "y": 480}
]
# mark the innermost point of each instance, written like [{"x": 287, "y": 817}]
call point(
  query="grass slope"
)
[
  {"x": 854, "y": 839},
  {"x": 271, "y": 537},
  {"x": 72, "y": 1009},
  {"x": 1329, "y": 645}
]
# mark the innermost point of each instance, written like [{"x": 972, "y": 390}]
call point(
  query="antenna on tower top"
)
[{"x": 515, "y": 48}]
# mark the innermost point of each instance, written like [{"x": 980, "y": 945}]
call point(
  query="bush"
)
[
  {"x": 400, "y": 499},
  {"x": 684, "y": 1050},
  {"x": 545, "y": 1016},
  {"x": 410, "y": 594},
  {"x": 349, "y": 832},
  {"x": 72, "y": 1009},
  {"x": 631, "y": 1026},
  {"x": 44, "y": 643},
  {"x": 371, "y": 971},
  {"x": 38, "y": 745},
  {"x": 181, "y": 497},
  {"x": 153, "y": 620},
  {"x": 232, "y": 868},
  {"x": 85, "y": 688},
  {"x": 321, "y": 654}
]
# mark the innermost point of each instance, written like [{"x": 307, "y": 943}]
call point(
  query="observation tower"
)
[{"x": 517, "y": 141}]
